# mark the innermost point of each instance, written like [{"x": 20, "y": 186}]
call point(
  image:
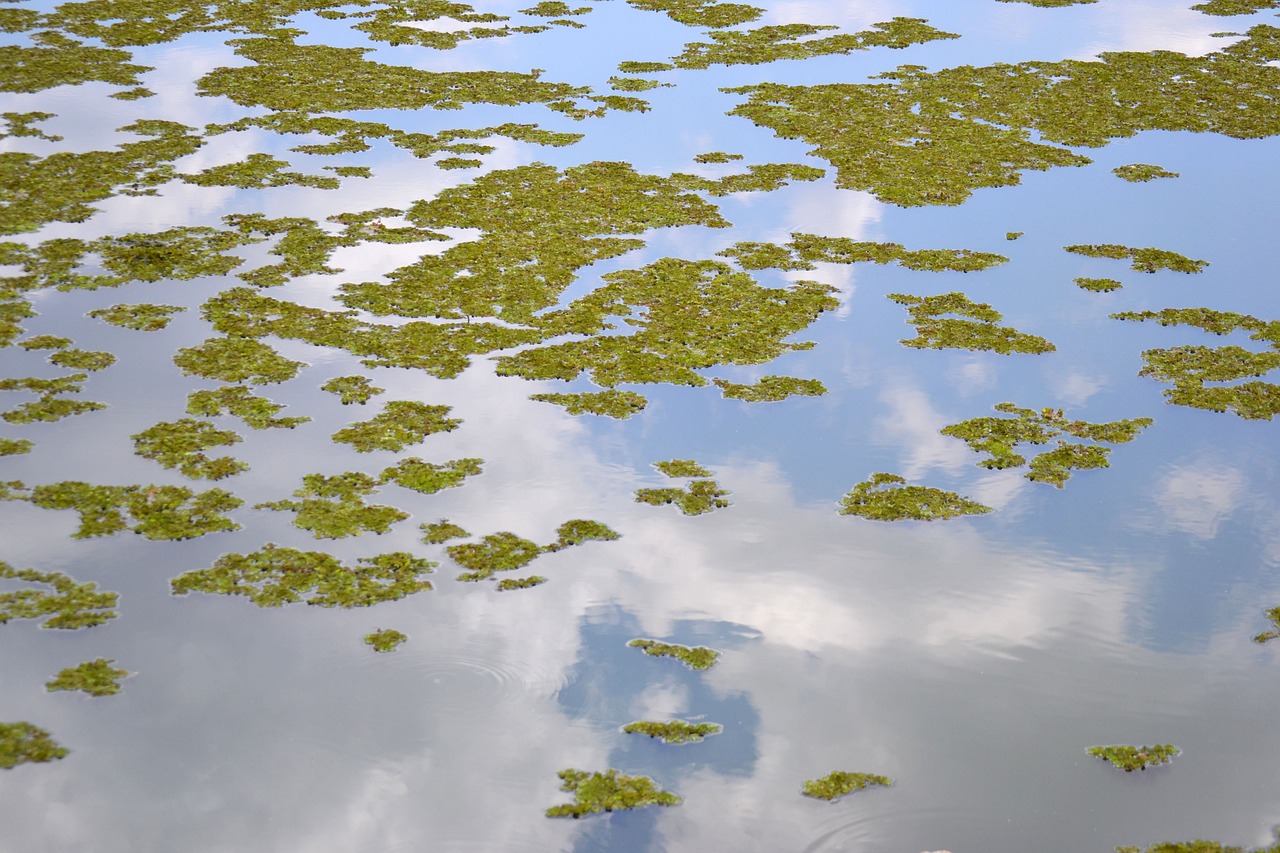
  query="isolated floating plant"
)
[
  {"x": 1139, "y": 172},
  {"x": 1199, "y": 845},
  {"x": 1130, "y": 758},
  {"x": 887, "y": 497},
  {"x": 436, "y": 532},
  {"x": 611, "y": 403},
  {"x": 838, "y": 783},
  {"x": 180, "y": 444},
  {"x": 1143, "y": 260},
  {"x": 15, "y": 446},
  {"x": 505, "y": 551},
  {"x": 1233, "y": 7},
  {"x": 68, "y": 604},
  {"x": 696, "y": 498},
  {"x": 333, "y": 507},
  {"x": 79, "y": 359},
  {"x": 385, "y": 639},
  {"x": 236, "y": 360},
  {"x": 428, "y": 477},
  {"x": 976, "y": 331},
  {"x": 682, "y": 468},
  {"x": 1098, "y": 285},
  {"x": 237, "y": 400},
  {"x": 608, "y": 792},
  {"x": 771, "y": 389},
  {"x": 401, "y": 423},
  {"x": 1274, "y": 615},
  {"x": 274, "y": 576},
  {"x": 23, "y": 742},
  {"x": 507, "y": 584},
  {"x": 352, "y": 389},
  {"x": 96, "y": 677},
  {"x": 143, "y": 317},
  {"x": 676, "y": 731},
  {"x": 694, "y": 657}
]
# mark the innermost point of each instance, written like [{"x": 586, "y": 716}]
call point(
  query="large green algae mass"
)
[
  {"x": 156, "y": 512},
  {"x": 60, "y": 61},
  {"x": 887, "y": 497},
  {"x": 333, "y": 507},
  {"x": 352, "y": 389},
  {"x": 23, "y": 742},
  {"x": 68, "y": 604},
  {"x": 1130, "y": 758},
  {"x": 95, "y": 677},
  {"x": 429, "y": 477},
  {"x": 401, "y": 423},
  {"x": 238, "y": 401},
  {"x": 1141, "y": 172},
  {"x": 696, "y": 498},
  {"x": 180, "y": 444},
  {"x": 927, "y": 138},
  {"x": 385, "y": 639},
  {"x": 999, "y": 437},
  {"x": 1226, "y": 8},
  {"x": 608, "y": 792},
  {"x": 771, "y": 389},
  {"x": 1274, "y": 615},
  {"x": 675, "y": 731},
  {"x": 694, "y": 657},
  {"x": 702, "y": 13},
  {"x": 839, "y": 782},
  {"x": 143, "y": 317},
  {"x": 274, "y": 576},
  {"x": 236, "y": 360},
  {"x": 1143, "y": 260},
  {"x": 975, "y": 329},
  {"x": 611, "y": 403}
]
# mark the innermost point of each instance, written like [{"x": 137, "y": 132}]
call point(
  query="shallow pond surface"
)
[{"x": 365, "y": 251}]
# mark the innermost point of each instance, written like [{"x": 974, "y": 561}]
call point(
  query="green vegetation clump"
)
[
  {"x": 838, "y": 783},
  {"x": 886, "y": 497},
  {"x": 274, "y": 576},
  {"x": 352, "y": 389},
  {"x": 633, "y": 84},
  {"x": 1098, "y": 285},
  {"x": 1013, "y": 235},
  {"x": 96, "y": 677},
  {"x": 20, "y": 124},
  {"x": 50, "y": 408},
  {"x": 1049, "y": 4},
  {"x": 385, "y": 639},
  {"x": 507, "y": 584},
  {"x": 682, "y": 468},
  {"x": 1139, "y": 172},
  {"x": 701, "y": 13},
  {"x": 608, "y": 792},
  {"x": 143, "y": 317},
  {"x": 554, "y": 9},
  {"x": 631, "y": 67},
  {"x": 1199, "y": 845},
  {"x": 611, "y": 403},
  {"x": 696, "y": 498},
  {"x": 436, "y": 532},
  {"x": 1226, "y": 8},
  {"x": 579, "y": 530},
  {"x": 38, "y": 342},
  {"x": 238, "y": 401},
  {"x": 68, "y": 604},
  {"x": 258, "y": 171},
  {"x": 1130, "y": 758},
  {"x": 157, "y": 512},
  {"x": 676, "y": 731},
  {"x": 694, "y": 657},
  {"x": 771, "y": 389},
  {"x": 999, "y": 437},
  {"x": 428, "y": 477},
  {"x": 1144, "y": 260},
  {"x": 180, "y": 444},
  {"x": 978, "y": 330},
  {"x": 236, "y": 360},
  {"x": 23, "y": 742},
  {"x": 1274, "y": 615},
  {"x": 334, "y": 508},
  {"x": 495, "y": 552},
  {"x": 79, "y": 359},
  {"x": 716, "y": 157},
  {"x": 401, "y": 423},
  {"x": 15, "y": 446}
]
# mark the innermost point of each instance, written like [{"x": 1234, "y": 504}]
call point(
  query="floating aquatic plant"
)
[
  {"x": 1143, "y": 260},
  {"x": 352, "y": 389},
  {"x": 23, "y": 742},
  {"x": 771, "y": 389},
  {"x": 1274, "y": 615},
  {"x": 180, "y": 444},
  {"x": 716, "y": 157},
  {"x": 495, "y": 552},
  {"x": 1199, "y": 845},
  {"x": 701, "y": 13},
  {"x": 436, "y": 532},
  {"x": 237, "y": 400},
  {"x": 611, "y": 403},
  {"x": 682, "y": 468},
  {"x": 236, "y": 360},
  {"x": 428, "y": 477},
  {"x": 507, "y": 584},
  {"x": 978, "y": 330},
  {"x": 385, "y": 639},
  {"x": 50, "y": 408},
  {"x": 1130, "y": 758},
  {"x": 79, "y": 359},
  {"x": 258, "y": 171},
  {"x": 401, "y": 423},
  {"x": 274, "y": 576},
  {"x": 694, "y": 657},
  {"x": 96, "y": 677},
  {"x": 143, "y": 317},
  {"x": 696, "y": 498},
  {"x": 839, "y": 782},
  {"x": 67, "y": 603},
  {"x": 15, "y": 446},
  {"x": 333, "y": 507},
  {"x": 156, "y": 512},
  {"x": 1098, "y": 285},
  {"x": 1233, "y": 7},
  {"x": 676, "y": 731},
  {"x": 1139, "y": 172},
  {"x": 887, "y": 497},
  {"x": 608, "y": 792}
]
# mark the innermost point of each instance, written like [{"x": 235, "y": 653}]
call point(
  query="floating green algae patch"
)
[
  {"x": 839, "y": 782},
  {"x": 436, "y": 532},
  {"x": 236, "y": 360},
  {"x": 926, "y": 138},
  {"x": 676, "y": 731},
  {"x": 1130, "y": 758},
  {"x": 60, "y": 61},
  {"x": 1274, "y": 615},
  {"x": 401, "y": 423},
  {"x": 633, "y": 84},
  {"x": 975, "y": 328},
  {"x": 20, "y": 124},
  {"x": 352, "y": 389},
  {"x": 95, "y": 677},
  {"x": 554, "y": 9},
  {"x": 1098, "y": 285},
  {"x": 694, "y": 657},
  {"x": 579, "y": 530},
  {"x": 66, "y": 603},
  {"x": 15, "y": 446},
  {"x": 507, "y": 584},
  {"x": 385, "y": 639},
  {"x": 1197, "y": 846},
  {"x": 887, "y": 497},
  {"x": 238, "y": 401},
  {"x": 23, "y": 742},
  {"x": 429, "y": 477},
  {"x": 50, "y": 406},
  {"x": 1050, "y": 3},
  {"x": 180, "y": 444},
  {"x": 39, "y": 342},
  {"x": 156, "y": 512},
  {"x": 79, "y": 359},
  {"x": 999, "y": 437},
  {"x": 842, "y": 250},
  {"x": 505, "y": 551},
  {"x": 143, "y": 317},
  {"x": 1209, "y": 320},
  {"x": 1234, "y": 7},
  {"x": 1013, "y": 235},
  {"x": 682, "y": 468},
  {"x": 701, "y": 13},
  {"x": 1140, "y": 172},
  {"x": 258, "y": 171},
  {"x": 771, "y": 389},
  {"x": 716, "y": 157},
  {"x": 1143, "y": 260},
  {"x": 333, "y": 507},
  {"x": 274, "y": 576},
  {"x": 608, "y": 792},
  {"x": 696, "y": 498},
  {"x": 611, "y": 403}
]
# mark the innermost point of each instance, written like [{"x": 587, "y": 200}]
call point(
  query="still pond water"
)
[{"x": 743, "y": 197}]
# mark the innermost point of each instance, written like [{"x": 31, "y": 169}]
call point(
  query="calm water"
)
[{"x": 971, "y": 660}]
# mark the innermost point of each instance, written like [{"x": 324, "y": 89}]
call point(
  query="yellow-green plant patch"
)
[
  {"x": 887, "y": 497},
  {"x": 975, "y": 328},
  {"x": 611, "y": 403},
  {"x": 67, "y": 603},
  {"x": 694, "y": 657},
  {"x": 675, "y": 731},
  {"x": 23, "y": 742},
  {"x": 837, "y": 783},
  {"x": 771, "y": 389},
  {"x": 385, "y": 639},
  {"x": 608, "y": 792},
  {"x": 181, "y": 444},
  {"x": 96, "y": 677},
  {"x": 333, "y": 507},
  {"x": 143, "y": 317},
  {"x": 401, "y": 423},
  {"x": 1130, "y": 758}
]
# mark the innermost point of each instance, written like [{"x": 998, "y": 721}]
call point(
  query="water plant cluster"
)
[
  {"x": 674, "y": 731},
  {"x": 840, "y": 782},
  {"x": 96, "y": 677},
  {"x": 694, "y": 657},
  {"x": 888, "y": 497},
  {"x": 67, "y": 603},
  {"x": 505, "y": 551},
  {"x": 609, "y": 791},
  {"x": 385, "y": 639},
  {"x": 697, "y": 497},
  {"x": 23, "y": 742},
  {"x": 1130, "y": 758}
]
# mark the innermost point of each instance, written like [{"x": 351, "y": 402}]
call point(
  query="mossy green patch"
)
[
  {"x": 1141, "y": 172},
  {"x": 701, "y": 13},
  {"x": 1274, "y": 615},
  {"x": 1130, "y": 758},
  {"x": 975, "y": 328},
  {"x": 634, "y": 84},
  {"x": 803, "y": 250},
  {"x": 21, "y": 124},
  {"x": 39, "y": 342},
  {"x": 1013, "y": 235},
  {"x": 675, "y": 731},
  {"x": 236, "y": 360},
  {"x": 694, "y": 657},
  {"x": 771, "y": 389},
  {"x": 428, "y": 477},
  {"x": 696, "y": 498},
  {"x": 1050, "y": 4},
  {"x": 15, "y": 446},
  {"x": 716, "y": 157},
  {"x": 887, "y": 497},
  {"x": 611, "y": 403},
  {"x": 495, "y": 552},
  {"x": 143, "y": 317},
  {"x": 156, "y": 512},
  {"x": 837, "y": 783},
  {"x": 67, "y": 603},
  {"x": 180, "y": 444},
  {"x": 23, "y": 742},
  {"x": 436, "y": 532},
  {"x": 631, "y": 67},
  {"x": 1146, "y": 260},
  {"x": 1197, "y": 846},
  {"x": 579, "y": 530},
  {"x": 352, "y": 389},
  {"x": 385, "y": 639},
  {"x": 1234, "y": 7},
  {"x": 554, "y": 9},
  {"x": 238, "y": 401},
  {"x": 682, "y": 468},
  {"x": 333, "y": 507},
  {"x": 50, "y": 408},
  {"x": 401, "y": 423},
  {"x": 95, "y": 677},
  {"x": 79, "y": 359},
  {"x": 608, "y": 791},
  {"x": 258, "y": 171},
  {"x": 507, "y": 584},
  {"x": 1098, "y": 285}
]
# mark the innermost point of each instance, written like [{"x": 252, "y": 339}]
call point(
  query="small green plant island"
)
[
  {"x": 385, "y": 639},
  {"x": 676, "y": 731},
  {"x": 837, "y": 783},
  {"x": 697, "y": 657},
  {"x": 95, "y": 677},
  {"x": 608, "y": 792},
  {"x": 1130, "y": 758}
]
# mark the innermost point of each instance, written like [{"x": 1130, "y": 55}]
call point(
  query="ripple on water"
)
[{"x": 868, "y": 826}]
